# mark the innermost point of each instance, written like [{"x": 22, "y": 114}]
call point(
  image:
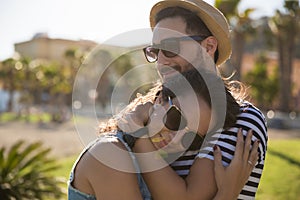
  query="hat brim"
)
[{"x": 203, "y": 10}]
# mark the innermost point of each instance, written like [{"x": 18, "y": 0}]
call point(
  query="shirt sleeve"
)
[{"x": 250, "y": 118}]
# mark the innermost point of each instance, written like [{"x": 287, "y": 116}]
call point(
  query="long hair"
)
[{"x": 200, "y": 88}]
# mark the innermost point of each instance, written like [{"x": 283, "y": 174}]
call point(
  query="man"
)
[
  {"x": 92, "y": 178},
  {"x": 188, "y": 34}
]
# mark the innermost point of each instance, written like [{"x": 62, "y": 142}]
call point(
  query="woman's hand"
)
[
  {"x": 231, "y": 180},
  {"x": 136, "y": 119}
]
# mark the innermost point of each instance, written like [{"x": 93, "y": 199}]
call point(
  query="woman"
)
[{"x": 106, "y": 168}]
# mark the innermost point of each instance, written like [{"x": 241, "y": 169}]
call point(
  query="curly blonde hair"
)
[{"x": 111, "y": 124}]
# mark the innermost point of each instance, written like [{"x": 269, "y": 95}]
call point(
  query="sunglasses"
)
[
  {"x": 170, "y": 47},
  {"x": 174, "y": 120}
]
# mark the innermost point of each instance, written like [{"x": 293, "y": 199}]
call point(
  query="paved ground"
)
[
  {"x": 64, "y": 139},
  {"x": 61, "y": 138}
]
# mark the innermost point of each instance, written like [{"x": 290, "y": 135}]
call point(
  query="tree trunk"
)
[
  {"x": 11, "y": 89},
  {"x": 286, "y": 51},
  {"x": 10, "y": 101},
  {"x": 237, "y": 53}
]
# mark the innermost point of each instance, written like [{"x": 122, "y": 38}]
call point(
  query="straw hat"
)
[{"x": 211, "y": 16}]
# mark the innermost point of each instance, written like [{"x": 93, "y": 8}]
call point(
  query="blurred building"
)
[{"x": 43, "y": 47}]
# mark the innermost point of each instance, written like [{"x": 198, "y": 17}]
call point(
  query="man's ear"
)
[{"x": 211, "y": 45}]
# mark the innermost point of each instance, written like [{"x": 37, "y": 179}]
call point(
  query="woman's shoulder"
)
[
  {"x": 112, "y": 152},
  {"x": 107, "y": 140}
]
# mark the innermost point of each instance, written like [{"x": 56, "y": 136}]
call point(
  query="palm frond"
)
[{"x": 25, "y": 172}]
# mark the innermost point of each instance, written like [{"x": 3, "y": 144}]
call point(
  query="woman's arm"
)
[{"x": 207, "y": 179}]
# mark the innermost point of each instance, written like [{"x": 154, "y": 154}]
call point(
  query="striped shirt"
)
[{"x": 250, "y": 118}]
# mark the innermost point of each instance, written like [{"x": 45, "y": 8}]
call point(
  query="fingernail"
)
[{"x": 215, "y": 147}]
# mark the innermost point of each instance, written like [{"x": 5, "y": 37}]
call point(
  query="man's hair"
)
[{"x": 194, "y": 25}]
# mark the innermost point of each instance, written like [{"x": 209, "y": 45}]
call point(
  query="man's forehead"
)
[
  {"x": 160, "y": 34},
  {"x": 167, "y": 30}
]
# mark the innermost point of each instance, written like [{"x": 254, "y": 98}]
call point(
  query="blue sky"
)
[{"x": 96, "y": 20}]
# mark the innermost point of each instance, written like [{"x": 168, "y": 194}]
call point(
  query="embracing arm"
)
[{"x": 214, "y": 181}]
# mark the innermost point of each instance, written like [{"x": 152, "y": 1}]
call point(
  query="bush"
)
[{"x": 25, "y": 173}]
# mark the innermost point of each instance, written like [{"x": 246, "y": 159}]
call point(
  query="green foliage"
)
[
  {"x": 122, "y": 64},
  {"x": 66, "y": 166},
  {"x": 229, "y": 8},
  {"x": 292, "y": 6},
  {"x": 64, "y": 171},
  {"x": 286, "y": 28},
  {"x": 264, "y": 86},
  {"x": 25, "y": 173},
  {"x": 9, "y": 71},
  {"x": 242, "y": 26},
  {"x": 32, "y": 117},
  {"x": 34, "y": 77},
  {"x": 239, "y": 20}
]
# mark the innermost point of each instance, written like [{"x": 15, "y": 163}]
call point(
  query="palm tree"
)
[
  {"x": 286, "y": 27},
  {"x": 28, "y": 85},
  {"x": 54, "y": 81},
  {"x": 10, "y": 74},
  {"x": 25, "y": 173},
  {"x": 74, "y": 58},
  {"x": 241, "y": 24}
]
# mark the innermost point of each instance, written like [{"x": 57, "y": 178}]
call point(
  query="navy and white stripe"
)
[
  {"x": 183, "y": 164},
  {"x": 250, "y": 118}
]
